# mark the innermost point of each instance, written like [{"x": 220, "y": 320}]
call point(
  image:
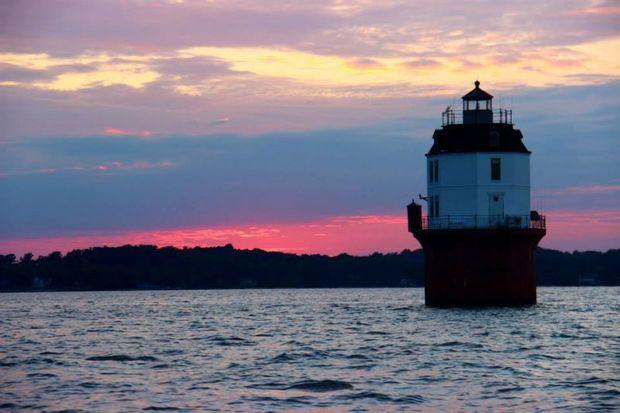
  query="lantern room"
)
[{"x": 477, "y": 106}]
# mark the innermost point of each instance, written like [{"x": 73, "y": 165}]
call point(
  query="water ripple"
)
[
  {"x": 282, "y": 350},
  {"x": 122, "y": 358},
  {"x": 320, "y": 386}
]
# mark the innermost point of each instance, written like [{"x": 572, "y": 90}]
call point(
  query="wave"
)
[
  {"x": 41, "y": 375},
  {"x": 231, "y": 341},
  {"x": 283, "y": 358},
  {"x": 381, "y": 397},
  {"x": 460, "y": 344},
  {"x": 8, "y": 363},
  {"x": 122, "y": 357},
  {"x": 321, "y": 386},
  {"x": 309, "y": 354},
  {"x": 367, "y": 395}
]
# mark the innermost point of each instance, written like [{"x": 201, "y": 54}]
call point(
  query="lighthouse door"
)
[{"x": 496, "y": 209}]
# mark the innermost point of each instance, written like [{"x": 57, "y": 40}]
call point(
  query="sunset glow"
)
[
  {"x": 356, "y": 235},
  {"x": 264, "y": 123},
  {"x": 538, "y": 67}
]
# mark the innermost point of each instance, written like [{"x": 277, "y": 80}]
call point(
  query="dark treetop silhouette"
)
[{"x": 149, "y": 267}]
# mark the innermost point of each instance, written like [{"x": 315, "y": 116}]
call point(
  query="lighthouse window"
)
[
  {"x": 433, "y": 171},
  {"x": 496, "y": 169},
  {"x": 433, "y": 206}
]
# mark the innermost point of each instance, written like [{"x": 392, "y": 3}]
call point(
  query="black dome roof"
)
[
  {"x": 479, "y": 137},
  {"x": 477, "y": 93}
]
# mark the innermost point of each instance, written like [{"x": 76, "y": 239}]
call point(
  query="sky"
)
[{"x": 290, "y": 125}]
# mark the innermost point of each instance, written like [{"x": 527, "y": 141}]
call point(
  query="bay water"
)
[{"x": 307, "y": 349}]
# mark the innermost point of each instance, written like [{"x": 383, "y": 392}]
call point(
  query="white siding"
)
[{"x": 465, "y": 183}]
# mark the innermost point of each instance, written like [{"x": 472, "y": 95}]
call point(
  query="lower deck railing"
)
[{"x": 484, "y": 221}]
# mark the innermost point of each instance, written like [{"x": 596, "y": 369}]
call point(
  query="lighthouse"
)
[{"x": 479, "y": 233}]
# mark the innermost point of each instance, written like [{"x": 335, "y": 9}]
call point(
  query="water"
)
[{"x": 338, "y": 350}]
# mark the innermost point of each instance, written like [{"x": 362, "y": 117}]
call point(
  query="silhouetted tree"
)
[{"x": 146, "y": 266}]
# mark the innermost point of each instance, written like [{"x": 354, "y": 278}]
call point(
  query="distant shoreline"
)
[
  {"x": 263, "y": 288},
  {"x": 149, "y": 268}
]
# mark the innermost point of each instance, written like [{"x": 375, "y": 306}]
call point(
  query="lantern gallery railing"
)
[
  {"x": 533, "y": 220},
  {"x": 454, "y": 117}
]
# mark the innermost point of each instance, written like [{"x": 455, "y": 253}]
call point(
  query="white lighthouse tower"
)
[
  {"x": 479, "y": 234},
  {"x": 481, "y": 180}
]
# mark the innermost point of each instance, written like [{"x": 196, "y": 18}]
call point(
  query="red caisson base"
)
[{"x": 480, "y": 267}]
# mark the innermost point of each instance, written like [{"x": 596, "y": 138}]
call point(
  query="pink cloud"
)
[
  {"x": 601, "y": 9},
  {"x": 358, "y": 235},
  {"x": 125, "y": 132},
  {"x": 354, "y": 235},
  {"x": 29, "y": 171},
  {"x": 582, "y": 230},
  {"x": 136, "y": 165},
  {"x": 576, "y": 190},
  {"x": 371, "y": 219},
  {"x": 102, "y": 167}
]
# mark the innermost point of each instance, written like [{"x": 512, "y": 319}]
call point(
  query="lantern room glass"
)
[{"x": 478, "y": 104}]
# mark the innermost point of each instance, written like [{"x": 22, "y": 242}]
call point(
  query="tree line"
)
[{"x": 150, "y": 267}]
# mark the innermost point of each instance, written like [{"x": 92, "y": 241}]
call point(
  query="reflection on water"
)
[{"x": 344, "y": 349}]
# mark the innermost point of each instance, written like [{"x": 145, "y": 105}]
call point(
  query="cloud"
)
[
  {"x": 25, "y": 75},
  {"x": 584, "y": 190},
  {"x": 582, "y": 230},
  {"x": 29, "y": 171},
  {"x": 120, "y": 183},
  {"x": 136, "y": 165},
  {"x": 371, "y": 219},
  {"x": 220, "y": 121},
  {"x": 421, "y": 64},
  {"x": 125, "y": 132},
  {"x": 109, "y": 166},
  {"x": 350, "y": 235},
  {"x": 126, "y": 183},
  {"x": 191, "y": 67},
  {"x": 13, "y": 73},
  {"x": 76, "y": 72},
  {"x": 365, "y": 63},
  {"x": 597, "y": 229},
  {"x": 285, "y": 110},
  {"x": 152, "y": 26},
  {"x": 195, "y": 48}
]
